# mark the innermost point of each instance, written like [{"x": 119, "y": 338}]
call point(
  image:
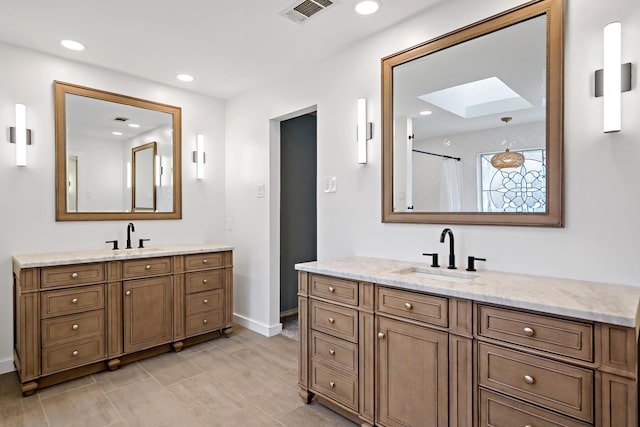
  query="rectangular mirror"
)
[
  {"x": 472, "y": 123},
  {"x": 117, "y": 157}
]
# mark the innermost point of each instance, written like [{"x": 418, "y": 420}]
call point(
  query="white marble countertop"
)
[
  {"x": 81, "y": 257},
  {"x": 601, "y": 302}
]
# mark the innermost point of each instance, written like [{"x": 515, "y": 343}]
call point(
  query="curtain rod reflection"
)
[{"x": 439, "y": 155}]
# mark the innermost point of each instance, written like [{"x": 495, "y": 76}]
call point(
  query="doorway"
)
[{"x": 298, "y": 217}]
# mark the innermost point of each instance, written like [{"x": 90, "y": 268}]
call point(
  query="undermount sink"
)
[{"x": 439, "y": 274}]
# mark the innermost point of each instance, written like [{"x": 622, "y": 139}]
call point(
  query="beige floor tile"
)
[
  {"x": 314, "y": 415},
  {"x": 219, "y": 364},
  {"x": 82, "y": 407},
  {"x": 282, "y": 345},
  {"x": 264, "y": 358},
  {"x": 169, "y": 368},
  {"x": 124, "y": 375},
  {"x": 66, "y": 386},
  {"x": 148, "y": 403}
]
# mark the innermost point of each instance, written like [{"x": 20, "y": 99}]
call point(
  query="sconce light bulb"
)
[
  {"x": 21, "y": 135},
  {"x": 199, "y": 157},
  {"x": 362, "y": 130},
  {"x": 612, "y": 89}
]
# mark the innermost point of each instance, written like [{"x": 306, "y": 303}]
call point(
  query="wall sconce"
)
[
  {"x": 364, "y": 130},
  {"x": 613, "y": 79},
  {"x": 199, "y": 157},
  {"x": 20, "y": 135}
]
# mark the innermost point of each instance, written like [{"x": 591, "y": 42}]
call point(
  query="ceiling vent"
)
[
  {"x": 300, "y": 12},
  {"x": 121, "y": 119}
]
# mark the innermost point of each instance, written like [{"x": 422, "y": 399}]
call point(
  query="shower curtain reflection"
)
[{"x": 451, "y": 186}]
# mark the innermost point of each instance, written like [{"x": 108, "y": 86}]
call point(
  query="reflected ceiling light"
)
[
  {"x": 426, "y": 113},
  {"x": 367, "y": 7},
  {"x": 72, "y": 45},
  {"x": 185, "y": 77},
  {"x": 116, "y": 133},
  {"x": 507, "y": 159},
  {"x": 134, "y": 125}
]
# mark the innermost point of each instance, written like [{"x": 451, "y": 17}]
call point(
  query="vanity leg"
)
[
  {"x": 28, "y": 388},
  {"x": 113, "y": 364},
  {"x": 177, "y": 346},
  {"x": 306, "y": 395},
  {"x": 226, "y": 332}
]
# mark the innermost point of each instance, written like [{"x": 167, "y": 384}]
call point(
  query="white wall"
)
[
  {"x": 602, "y": 199},
  {"x": 27, "y": 217}
]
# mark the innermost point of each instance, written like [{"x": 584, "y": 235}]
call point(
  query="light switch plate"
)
[
  {"x": 330, "y": 184},
  {"x": 260, "y": 191}
]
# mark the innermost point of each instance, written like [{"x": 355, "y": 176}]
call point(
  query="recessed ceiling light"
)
[
  {"x": 72, "y": 44},
  {"x": 116, "y": 133},
  {"x": 426, "y": 113},
  {"x": 134, "y": 125},
  {"x": 185, "y": 77},
  {"x": 367, "y": 7}
]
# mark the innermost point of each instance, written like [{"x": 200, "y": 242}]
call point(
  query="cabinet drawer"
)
[
  {"x": 204, "y": 280},
  {"x": 72, "y": 301},
  {"x": 72, "y": 354},
  {"x": 146, "y": 267},
  {"x": 334, "y": 352},
  {"x": 72, "y": 328},
  {"x": 337, "y": 321},
  {"x": 500, "y": 411},
  {"x": 554, "y": 385},
  {"x": 331, "y": 288},
  {"x": 335, "y": 385},
  {"x": 559, "y": 336},
  {"x": 78, "y": 274},
  {"x": 204, "y": 322},
  {"x": 204, "y": 301},
  {"x": 202, "y": 261},
  {"x": 424, "y": 308}
]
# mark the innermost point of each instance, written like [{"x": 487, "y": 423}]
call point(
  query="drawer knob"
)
[
  {"x": 332, "y": 352},
  {"x": 529, "y": 379},
  {"x": 332, "y": 320},
  {"x": 204, "y": 280},
  {"x": 380, "y": 335},
  {"x": 74, "y": 301},
  {"x": 332, "y": 289},
  {"x": 408, "y": 305},
  {"x": 147, "y": 267},
  {"x": 74, "y": 275},
  {"x": 128, "y": 293},
  {"x": 204, "y": 261},
  {"x": 205, "y": 321},
  {"x": 75, "y": 353},
  {"x": 75, "y": 327},
  {"x": 332, "y": 384},
  {"x": 205, "y": 301},
  {"x": 528, "y": 331}
]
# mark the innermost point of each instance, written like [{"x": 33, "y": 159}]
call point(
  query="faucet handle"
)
[
  {"x": 471, "y": 266},
  {"x": 434, "y": 259},
  {"x": 115, "y": 244},
  {"x": 141, "y": 243}
]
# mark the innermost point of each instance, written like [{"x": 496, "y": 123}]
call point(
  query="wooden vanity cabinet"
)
[
  {"x": 398, "y": 357},
  {"x": 76, "y": 319}
]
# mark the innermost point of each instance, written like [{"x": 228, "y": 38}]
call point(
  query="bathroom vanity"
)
[
  {"x": 398, "y": 344},
  {"x": 78, "y": 313}
]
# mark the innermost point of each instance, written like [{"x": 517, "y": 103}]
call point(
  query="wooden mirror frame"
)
[
  {"x": 553, "y": 217},
  {"x": 60, "y": 90}
]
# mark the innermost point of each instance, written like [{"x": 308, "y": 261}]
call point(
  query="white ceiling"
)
[{"x": 230, "y": 46}]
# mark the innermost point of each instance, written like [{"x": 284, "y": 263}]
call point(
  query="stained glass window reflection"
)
[{"x": 521, "y": 189}]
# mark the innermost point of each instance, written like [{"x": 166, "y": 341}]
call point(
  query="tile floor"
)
[{"x": 245, "y": 380}]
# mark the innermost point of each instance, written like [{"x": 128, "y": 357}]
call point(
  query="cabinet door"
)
[
  {"x": 413, "y": 375},
  {"x": 147, "y": 313}
]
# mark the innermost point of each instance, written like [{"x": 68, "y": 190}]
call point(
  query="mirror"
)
[
  {"x": 458, "y": 110},
  {"x": 117, "y": 157},
  {"x": 144, "y": 177}
]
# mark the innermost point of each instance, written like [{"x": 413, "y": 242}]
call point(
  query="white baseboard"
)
[
  {"x": 258, "y": 327},
  {"x": 6, "y": 366}
]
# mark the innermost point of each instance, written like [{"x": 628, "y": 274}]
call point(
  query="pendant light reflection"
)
[{"x": 507, "y": 159}]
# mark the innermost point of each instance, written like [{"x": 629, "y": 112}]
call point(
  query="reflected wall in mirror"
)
[
  {"x": 143, "y": 196},
  {"x": 99, "y": 156},
  {"x": 455, "y": 103}
]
